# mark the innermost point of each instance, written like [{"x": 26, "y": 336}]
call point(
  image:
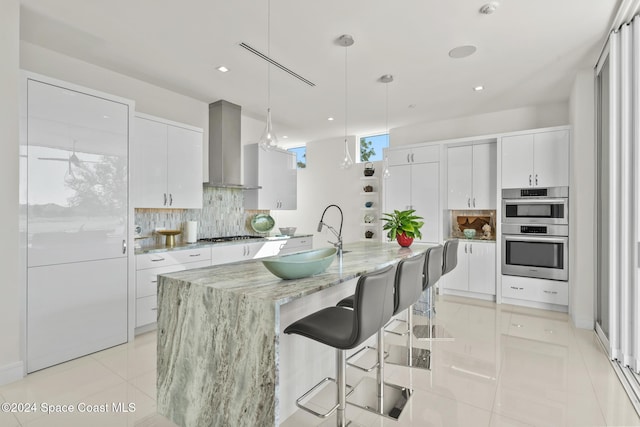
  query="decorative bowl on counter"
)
[
  {"x": 262, "y": 223},
  {"x": 469, "y": 233},
  {"x": 170, "y": 236},
  {"x": 303, "y": 264},
  {"x": 287, "y": 231}
]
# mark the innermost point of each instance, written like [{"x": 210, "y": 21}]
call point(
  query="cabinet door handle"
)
[
  {"x": 157, "y": 259},
  {"x": 154, "y": 281},
  {"x": 536, "y": 179},
  {"x": 165, "y": 199},
  {"x": 468, "y": 202},
  {"x": 551, "y": 292},
  {"x": 516, "y": 288},
  {"x": 408, "y": 158},
  {"x": 195, "y": 254},
  {"x": 470, "y": 248},
  {"x": 530, "y": 180},
  {"x": 124, "y": 247},
  {"x": 170, "y": 199},
  {"x": 474, "y": 202},
  {"x": 154, "y": 309},
  {"x": 465, "y": 249}
]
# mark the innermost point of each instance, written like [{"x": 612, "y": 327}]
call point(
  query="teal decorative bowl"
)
[
  {"x": 262, "y": 223},
  {"x": 303, "y": 264},
  {"x": 469, "y": 233}
]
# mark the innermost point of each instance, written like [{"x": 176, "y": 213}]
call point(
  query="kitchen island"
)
[{"x": 222, "y": 357}]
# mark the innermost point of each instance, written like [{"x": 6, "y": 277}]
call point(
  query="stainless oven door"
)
[
  {"x": 535, "y": 211},
  {"x": 544, "y": 257}
]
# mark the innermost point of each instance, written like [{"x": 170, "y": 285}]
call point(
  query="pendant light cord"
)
[
  {"x": 269, "y": 55},
  {"x": 346, "y": 88}
]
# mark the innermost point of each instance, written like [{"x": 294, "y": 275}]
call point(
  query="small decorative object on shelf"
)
[
  {"x": 368, "y": 234},
  {"x": 368, "y": 188},
  {"x": 368, "y": 204},
  {"x": 403, "y": 226},
  {"x": 368, "y": 218},
  {"x": 469, "y": 233},
  {"x": 368, "y": 169}
]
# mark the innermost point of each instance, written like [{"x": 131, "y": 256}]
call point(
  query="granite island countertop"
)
[{"x": 219, "y": 334}]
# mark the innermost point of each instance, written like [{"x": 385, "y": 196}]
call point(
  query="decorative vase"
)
[{"x": 403, "y": 240}]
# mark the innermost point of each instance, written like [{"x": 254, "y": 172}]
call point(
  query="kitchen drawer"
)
[
  {"x": 539, "y": 290},
  {"x": 163, "y": 259},
  {"x": 296, "y": 244},
  {"x": 147, "y": 279},
  {"x": 146, "y": 310}
]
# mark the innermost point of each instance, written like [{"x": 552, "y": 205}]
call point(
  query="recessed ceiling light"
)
[
  {"x": 478, "y": 88},
  {"x": 412, "y": 105},
  {"x": 330, "y": 119},
  {"x": 222, "y": 69},
  {"x": 284, "y": 137},
  {"x": 462, "y": 51},
  {"x": 106, "y": 117}
]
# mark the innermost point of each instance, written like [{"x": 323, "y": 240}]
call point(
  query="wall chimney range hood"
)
[{"x": 225, "y": 146}]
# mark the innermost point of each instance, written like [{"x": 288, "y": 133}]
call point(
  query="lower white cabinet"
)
[
  {"x": 296, "y": 244},
  {"x": 475, "y": 272},
  {"x": 148, "y": 266},
  {"x": 243, "y": 252},
  {"x": 536, "y": 290}
]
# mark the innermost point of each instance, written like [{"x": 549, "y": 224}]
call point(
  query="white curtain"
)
[{"x": 624, "y": 338}]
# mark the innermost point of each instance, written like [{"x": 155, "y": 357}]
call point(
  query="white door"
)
[
  {"x": 77, "y": 175},
  {"x": 184, "y": 166},
  {"x": 75, "y": 309},
  {"x": 517, "y": 161},
  {"x": 149, "y": 164},
  {"x": 484, "y": 176},
  {"x": 551, "y": 159},
  {"x": 458, "y": 278},
  {"x": 482, "y": 268},
  {"x": 425, "y": 198},
  {"x": 459, "y": 177}
]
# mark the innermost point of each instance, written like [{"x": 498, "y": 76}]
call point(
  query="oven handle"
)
[
  {"x": 530, "y": 201},
  {"x": 521, "y": 237}
]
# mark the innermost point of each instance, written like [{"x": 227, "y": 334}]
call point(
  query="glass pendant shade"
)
[
  {"x": 268, "y": 140},
  {"x": 386, "y": 173},
  {"x": 347, "y": 162}
]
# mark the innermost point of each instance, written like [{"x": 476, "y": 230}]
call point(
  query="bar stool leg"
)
[
  {"x": 341, "y": 362},
  {"x": 380, "y": 372}
]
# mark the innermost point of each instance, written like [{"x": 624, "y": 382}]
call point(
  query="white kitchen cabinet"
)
[
  {"x": 296, "y": 244},
  {"x": 166, "y": 164},
  {"x": 536, "y": 160},
  {"x": 149, "y": 266},
  {"x": 475, "y": 272},
  {"x": 276, "y": 172},
  {"x": 471, "y": 176},
  {"x": 416, "y": 186},
  {"x": 536, "y": 290}
]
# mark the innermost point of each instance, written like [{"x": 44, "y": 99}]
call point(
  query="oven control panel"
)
[{"x": 533, "y": 229}]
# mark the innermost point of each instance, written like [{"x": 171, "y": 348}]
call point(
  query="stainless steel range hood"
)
[{"x": 225, "y": 147}]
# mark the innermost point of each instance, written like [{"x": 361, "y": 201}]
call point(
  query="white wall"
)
[
  {"x": 11, "y": 299},
  {"x": 323, "y": 183},
  {"x": 532, "y": 117},
  {"x": 582, "y": 207}
]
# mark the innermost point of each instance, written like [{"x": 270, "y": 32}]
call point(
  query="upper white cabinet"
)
[
  {"x": 275, "y": 171},
  {"x": 414, "y": 183},
  {"x": 166, "y": 164},
  {"x": 536, "y": 160},
  {"x": 471, "y": 176}
]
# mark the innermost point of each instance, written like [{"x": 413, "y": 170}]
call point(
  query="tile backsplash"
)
[{"x": 222, "y": 214}]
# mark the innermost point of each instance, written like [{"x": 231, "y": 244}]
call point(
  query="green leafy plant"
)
[
  {"x": 402, "y": 222},
  {"x": 366, "y": 150}
]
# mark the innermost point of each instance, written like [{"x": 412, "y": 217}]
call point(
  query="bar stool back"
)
[{"x": 450, "y": 256}]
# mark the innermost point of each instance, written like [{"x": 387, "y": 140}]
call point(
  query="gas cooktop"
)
[{"x": 228, "y": 238}]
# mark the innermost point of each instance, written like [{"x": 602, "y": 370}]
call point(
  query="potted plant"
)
[{"x": 403, "y": 226}]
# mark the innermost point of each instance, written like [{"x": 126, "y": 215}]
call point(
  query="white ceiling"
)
[{"x": 528, "y": 53}]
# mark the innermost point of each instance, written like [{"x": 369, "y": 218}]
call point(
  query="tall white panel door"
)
[
  {"x": 517, "y": 161},
  {"x": 149, "y": 149},
  {"x": 77, "y": 175},
  {"x": 484, "y": 176},
  {"x": 425, "y": 198},
  {"x": 184, "y": 168},
  {"x": 551, "y": 158},
  {"x": 75, "y": 309},
  {"x": 459, "y": 177},
  {"x": 482, "y": 268}
]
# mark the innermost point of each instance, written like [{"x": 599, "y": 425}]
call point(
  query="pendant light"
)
[
  {"x": 346, "y": 40},
  {"x": 268, "y": 140},
  {"x": 386, "y": 79}
]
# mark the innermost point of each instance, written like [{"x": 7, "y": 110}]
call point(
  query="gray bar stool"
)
[
  {"x": 435, "y": 332},
  {"x": 408, "y": 355},
  {"x": 376, "y": 395},
  {"x": 344, "y": 329}
]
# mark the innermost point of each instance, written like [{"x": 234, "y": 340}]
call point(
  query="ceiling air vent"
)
[{"x": 277, "y": 64}]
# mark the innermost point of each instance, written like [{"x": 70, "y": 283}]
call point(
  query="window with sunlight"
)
[
  {"x": 301, "y": 156},
  {"x": 371, "y": 147}
]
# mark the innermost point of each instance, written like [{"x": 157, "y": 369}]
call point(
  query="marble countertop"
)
[
  {"x": 183, "y": 246},
  {"x": 252, "y": 280}
]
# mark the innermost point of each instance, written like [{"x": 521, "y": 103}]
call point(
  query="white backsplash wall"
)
[{"x": 222, "y": 214}]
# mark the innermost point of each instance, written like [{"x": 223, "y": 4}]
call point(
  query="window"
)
[
  {"x": 371, "y": 147},
  {"x": 301, "y": 156}
]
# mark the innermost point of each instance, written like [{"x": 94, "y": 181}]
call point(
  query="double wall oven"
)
[{"x": 535, "y": 232}]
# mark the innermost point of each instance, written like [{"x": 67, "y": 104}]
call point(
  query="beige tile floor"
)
[{"x": 507, "y": 366}]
